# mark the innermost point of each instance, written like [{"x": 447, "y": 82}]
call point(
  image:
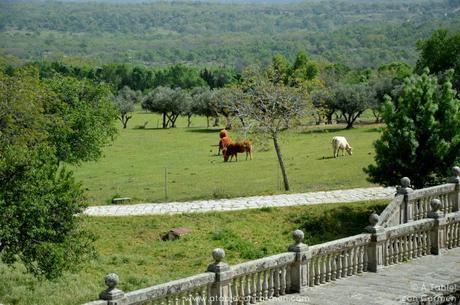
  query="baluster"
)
[
  {"x": 356, "y": 254},
  {"x": 272, "y": 284},
  {"x": 276, "y": 273},
  {"x": 260, "y": 285},
  {"x": 311, "y": 270},
  {"x": 241, "y": 291},
  {"x": 426, "y": 247},
  {"x": 318, "y": 270},
  {"x": 253, "y": 278},
  {"x": 400, "y": 249},
  {"x": 235, "y": 293},
  {"x": 189, "y": 300},
  {"x": 350, "y": 253},
  {"x": 365, "y": 258},
  {"x": 333, "y": 266},
  {"x": 204, "y": 295},
  {"x": 457, "y": 234},
  {"x": 339, "y": 266},
  {"x": 329, "y": 258},
  {"x": 344, "y": 263},
  {"x": 322, "y": 278},
  {"x": 360, "y": 260},
  {"x": 265, "y": 284},
  {"x": 283, "y": 280},
  {"x": 247, "y": 289},
  {"x": 420, "y": 242}
]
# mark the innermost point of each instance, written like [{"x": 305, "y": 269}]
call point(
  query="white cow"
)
[{"x": 340, "y": 143}]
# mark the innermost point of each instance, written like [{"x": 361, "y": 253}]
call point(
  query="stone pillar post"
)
[
  {"x": 220, "y": 293},
  {"x": 112, "y": 295},
  {"x": 299, "y": 270},
  {"x": 455, "y": 196},
  {"x": 438, "y": 237},
  {"x": 406, "y": 209},
  {"x": 375, "y": 250}
]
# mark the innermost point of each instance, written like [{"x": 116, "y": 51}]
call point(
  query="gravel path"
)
[{"x": 243, "y": 203}]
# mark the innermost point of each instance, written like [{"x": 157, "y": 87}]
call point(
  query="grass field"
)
[
  {"x": 136, "y": 163},
  {"x": 132, "y": 247}
]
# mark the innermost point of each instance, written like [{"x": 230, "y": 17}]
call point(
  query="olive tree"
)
[{"x": 273, "y": 109}]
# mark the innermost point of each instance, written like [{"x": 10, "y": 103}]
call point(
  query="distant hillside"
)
[{"x": 358, "y": 33}]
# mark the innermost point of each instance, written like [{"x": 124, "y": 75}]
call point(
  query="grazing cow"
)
[
  {"x": 234, "y": 148},
  {"x": 340, "y": 143},
  {"x": 224, "y": 142},
  {"x": 223, "y": 133}
]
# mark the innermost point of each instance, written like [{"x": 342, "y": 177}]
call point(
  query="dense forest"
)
[{"x": 355, "y": 33}]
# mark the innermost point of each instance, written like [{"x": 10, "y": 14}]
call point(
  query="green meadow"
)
[
  {"x": 132, "y": 247},
  {"x": 180, "y": 164}
]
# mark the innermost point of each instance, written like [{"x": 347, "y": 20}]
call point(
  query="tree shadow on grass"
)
[
  {"x": 203, "y": 130},
  {"x": 325, "y": 130},
  {"x": 336, "y": 223}
]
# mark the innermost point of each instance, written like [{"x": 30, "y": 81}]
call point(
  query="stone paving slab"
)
[
  {"x": 243, "y": 203},
  {"x": 397, "y": 284}
]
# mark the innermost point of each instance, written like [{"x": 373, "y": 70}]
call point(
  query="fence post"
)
[
  {"x": 438, "y": 234},
  {"x": 455, "y": 196},
  {"x": 299, "y": 270},
  {"x": 220, "y": 293},
  {"x": 375, "y": 250},
  {"x": 112, "y": 295},
  {"x": 406, "y": 213}
]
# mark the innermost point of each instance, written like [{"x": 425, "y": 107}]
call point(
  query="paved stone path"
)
[
  {"x": 243, "y": 202},
  {"x": 397, "y": 284}
]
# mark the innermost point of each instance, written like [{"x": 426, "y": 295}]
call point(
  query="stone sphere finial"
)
[
  {"x": 298, "y": 236},
  {"x": 405, "y": 182},
  {"x": 456, "y": 171},
  {"x": 435, "y": 205},
  {"x": 218, "y": 254},
  {"x": 374, "y": 219},
  {"x": 111, "y": 280}
]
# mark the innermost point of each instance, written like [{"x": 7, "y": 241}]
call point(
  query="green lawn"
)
[
  {"x": 132, "y": 247},
  {"x": 135, "y": 164}
]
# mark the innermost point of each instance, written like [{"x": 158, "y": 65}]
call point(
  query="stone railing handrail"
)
[
  {"x": 437, "y": 190},
  {"x": 391, "y": 212},
  {"x": 186, "y": 288},
  {"x": 340, "y": 244},
  {"x": 262, "y": 264},
  {"x": 410, "y": 227},
  {"x": 409, "y": 204}
]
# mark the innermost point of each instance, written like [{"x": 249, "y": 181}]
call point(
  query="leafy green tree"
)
[
  {"x": 273, "y": 108},
  {"x": 421, "y": 139},
  {"x": 171, "y": 103},
  {"x": 38, "y": 198},
  {"x": 352, "y": 101},
  {"x": 81, "y": 118},
  {"x": 124, "y": 101},
  {"x": 204, "y": 103},
  {"x": 440, "y": 53}
]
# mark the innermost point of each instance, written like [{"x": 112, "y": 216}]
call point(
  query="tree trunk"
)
[
  {"x": 207, "y": 122},
  {"x": 164, "y": 120},
  {"x": 281, "y": 162},
  {"x": 173, "y": 119},
  {"x": 229, "y": 123},
  {"x": 216, "y": 121},
  {"x": 189, "y": 120}
]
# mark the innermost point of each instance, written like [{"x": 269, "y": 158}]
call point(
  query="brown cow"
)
[
  {"x": 234, "y": 148},
  {"x": 223, "y": 133},
  {"x": 224, "y": 142}
]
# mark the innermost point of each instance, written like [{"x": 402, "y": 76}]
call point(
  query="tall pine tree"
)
[{"x": 421, "y": 139}]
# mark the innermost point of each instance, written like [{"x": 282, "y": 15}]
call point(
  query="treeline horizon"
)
[{"x": 355, "y": 33}]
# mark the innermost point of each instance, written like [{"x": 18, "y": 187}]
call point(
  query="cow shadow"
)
[
  {"x": 325, "y": 158},
  {"x": 203, "y": 130}
]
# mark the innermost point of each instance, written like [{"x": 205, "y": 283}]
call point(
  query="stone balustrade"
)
[
  {"x": 409, "y": 205},
  {"x": 338, "y": 259},
  {"x": 418, "y": 230}
]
